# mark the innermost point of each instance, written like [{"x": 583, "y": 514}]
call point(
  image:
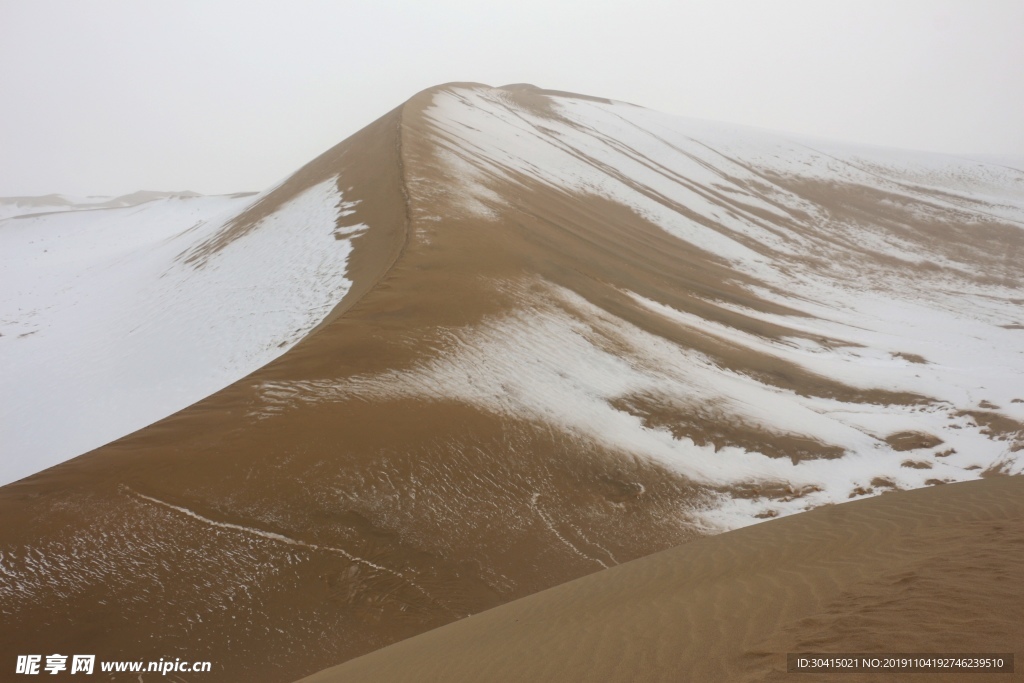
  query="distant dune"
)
[
  {"x": 24, "y": 206},
  {"x": 926, "y": 571},
  {"x": 500, "y": 339}
]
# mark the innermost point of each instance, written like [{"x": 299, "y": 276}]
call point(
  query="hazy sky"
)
[{"x": 107, "y": 97}]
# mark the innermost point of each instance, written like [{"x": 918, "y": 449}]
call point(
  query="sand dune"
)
[
  {"x": 935, "y": 570},
  {"x": 578, "y": 332},
  {"x": 110, "y": 319}
]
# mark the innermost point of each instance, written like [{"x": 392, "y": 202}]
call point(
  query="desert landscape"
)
[{"x": 521, "y": 384}]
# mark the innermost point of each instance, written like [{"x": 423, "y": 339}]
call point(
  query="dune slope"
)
[
  {"x": 113, "y": 318},
  {"x": 926, "y": 571}
]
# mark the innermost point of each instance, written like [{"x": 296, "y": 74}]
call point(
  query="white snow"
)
[
  {"x": 105, "y": 329},
  {"x": 720, "y": 175}
]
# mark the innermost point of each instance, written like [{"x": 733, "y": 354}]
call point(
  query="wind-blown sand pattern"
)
[
  {"x": 934, "y": 570},
  {"x": 572, "y": 333}
]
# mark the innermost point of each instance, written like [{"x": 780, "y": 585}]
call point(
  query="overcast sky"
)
[{"x": 107, "y": 97}]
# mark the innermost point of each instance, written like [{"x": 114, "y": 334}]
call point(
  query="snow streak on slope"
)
[
  {"x": 105, "y": 327},
  {"x": 920, "y": 264},
  {"x": 563, "y": 362}
]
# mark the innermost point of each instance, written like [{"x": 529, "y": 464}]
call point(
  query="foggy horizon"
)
[{"x": 111, "y": 98}]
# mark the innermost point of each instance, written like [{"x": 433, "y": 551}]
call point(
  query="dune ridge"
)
[{"x": 116, "y": 318}]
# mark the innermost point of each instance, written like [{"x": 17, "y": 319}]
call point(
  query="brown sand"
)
[{"x": 926, "y": 571}]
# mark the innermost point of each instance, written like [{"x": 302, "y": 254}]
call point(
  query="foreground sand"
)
[{"x": 929, "y": 570}]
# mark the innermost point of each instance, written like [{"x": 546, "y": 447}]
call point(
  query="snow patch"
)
[{"x": 104, "y": 331}]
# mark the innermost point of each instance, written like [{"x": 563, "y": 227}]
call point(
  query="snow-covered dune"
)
[
  {"x": 874, "y": 341},
  {"x": 108, "y": 322},
  {"x": 575, "y": 332}
]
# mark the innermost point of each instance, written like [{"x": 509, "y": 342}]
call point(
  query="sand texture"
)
[{"x": 936, "y": 570}]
